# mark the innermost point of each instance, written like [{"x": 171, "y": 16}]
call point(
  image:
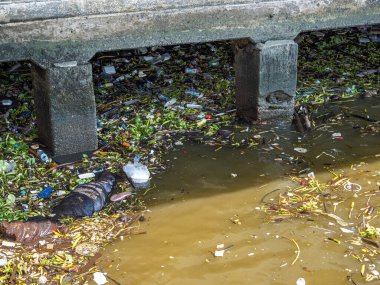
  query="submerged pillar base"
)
[
  {"x": 266, "y": 79},
  {"x": 66, "y": 111}
]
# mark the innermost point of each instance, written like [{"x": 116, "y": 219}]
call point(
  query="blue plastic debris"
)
[
  {"x": 163, "y": 97},
  {"x": 99, "y": 170},
  {"x": 45, "y": 193},
  {"x": 193, "y": 93},
  {"x": 191, "y": 70}
]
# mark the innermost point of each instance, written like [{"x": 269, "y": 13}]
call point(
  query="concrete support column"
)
[
  {"x": 266, "y": 78},
  {"x": 65, "y": 106}
]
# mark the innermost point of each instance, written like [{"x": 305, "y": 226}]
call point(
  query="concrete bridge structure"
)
[{"x": 61, "y": 36}]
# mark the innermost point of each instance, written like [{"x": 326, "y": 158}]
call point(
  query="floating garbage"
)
[
  {"x": 163, "y": 97},
  {"x": 87, "y": 198},
  {"x": 8, "y": 243},
  {"x": 6, "y": 102},
  {"x": 201, "y": 123},
  {"x": 45, "y": 193},
  {"x": 131, "y": 102},
  {"x": 86, "y": 175},
  {"x": 191, "y": 70},
  {"x": 148, "y": 58},
  {"x": 348, "y": 231},
  {"x": 170, "y": 102},
  {"x": 42, "y": 280},
  {"x": 137, "y": 173},
  {"x": 300, "y": 149},
  {"x": 3, "y": 260},
  {"x": 352, "y": 187},
  {"x": 301, "y": 281},
  {"x": 100, "y": 278},
  {"x": 87, "y": 249},
  {"x": 165, "y": 57},
  {"x": 121, "y": 135},
  {"x": 194, "y": 106},
  {"x": 214, "y": 62},
  {"x": 7, "y": 166},
  {"x": 194, "y": 93},
  {"x": 106, "y": 85},
  {"x": 337, "y": 136},
  {"x": 43, "y": 156},
  {"x": 221, "y": 249},
  {"x": 123, "y": 77},
  {"x": 28, "y": 232},
  {"x": 109, "y": 69},
  {"x": 120, "y": 196}
]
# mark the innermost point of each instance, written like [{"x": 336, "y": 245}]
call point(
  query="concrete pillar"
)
[
  {"x": 65, "y": 106},
  {"x": 266, "y": 78}
]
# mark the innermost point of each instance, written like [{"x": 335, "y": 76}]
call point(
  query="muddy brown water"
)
[{"x": 195, "y": 200}]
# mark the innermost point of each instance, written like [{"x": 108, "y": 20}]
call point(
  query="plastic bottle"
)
[
  {"x": 170, "y": 102},
  {"x": 137, "y": 173},
  {"x": 193, "y": 93},
  {"x": 163, "y": 97},
  {"x": 191, "y": 70},
  {"x": 194, "y": 106},
  {"x": 7, "y": 102},
  {"x": 43, "y": 156}
]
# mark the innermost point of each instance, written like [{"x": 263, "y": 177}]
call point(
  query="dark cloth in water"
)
[{"x": 87, "y": 198}]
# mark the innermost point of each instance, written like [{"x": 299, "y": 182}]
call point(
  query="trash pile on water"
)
[
  {"x": 358, "y": 225},
  {"x": 149, "y": 101}
]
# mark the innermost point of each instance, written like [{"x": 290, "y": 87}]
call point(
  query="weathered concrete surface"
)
[
  {"x": 53, "y": 32},
  {"x": 65, "y": 107},
  {"x": 64, "y": 30},
  {"x": 266, "y": 79}
]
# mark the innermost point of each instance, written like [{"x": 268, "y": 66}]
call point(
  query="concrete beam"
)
[
  {"x": 48, "y": 31},
  {"x": 65, "y": 107},
  {"x": 266, "y": 79}
]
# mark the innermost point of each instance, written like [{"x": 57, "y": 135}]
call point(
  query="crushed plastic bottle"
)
[
  {"x": 6, "y": 102},
  {"x": 194, "y": 93},
  {"x": 163, "y": 97},
  {"x": 170, "y": 102},
  {"x": 191, "y": 70},
  {"x": 137, "y": 173},
  {"x": 42, "y": 155},
  {"x": 194, "y": 106}
]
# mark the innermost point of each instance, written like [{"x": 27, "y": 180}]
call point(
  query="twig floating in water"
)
[
  {"x": 267, "y": 194},
  {"x": 349, "y": 279},
  {"x": 298, "y": 249}
]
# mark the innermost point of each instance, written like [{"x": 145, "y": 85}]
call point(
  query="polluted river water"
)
[{"x": 211, "y": 196}]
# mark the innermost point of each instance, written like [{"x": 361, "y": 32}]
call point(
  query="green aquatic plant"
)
[
  {"x": 8, "y": 212},
  {"x": 370, "y": 232}
]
